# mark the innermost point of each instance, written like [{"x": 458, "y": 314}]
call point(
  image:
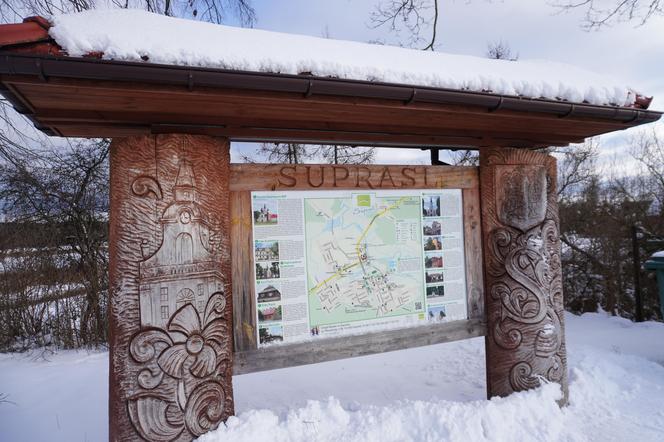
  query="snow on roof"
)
[{"x": 135, "y": 35}]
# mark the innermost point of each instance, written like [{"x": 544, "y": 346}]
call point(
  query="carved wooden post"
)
[
  {"x": 170, "y": 300},
  {"x": 524, "y": 299}
]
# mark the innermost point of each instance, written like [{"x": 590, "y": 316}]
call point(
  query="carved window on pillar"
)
[
  {"x": 186, "y": 296},
  {"x": 184, "y": 247}
]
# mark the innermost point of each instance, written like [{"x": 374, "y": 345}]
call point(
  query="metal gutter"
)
[{"x": 46, "y": 67}]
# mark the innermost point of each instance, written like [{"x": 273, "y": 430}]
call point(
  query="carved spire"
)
[{"x": 185, "y": 183}]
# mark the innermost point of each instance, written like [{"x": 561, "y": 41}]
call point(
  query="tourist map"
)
[
  {"x": 364, "y": 257},
  {"x": 330, "y": 263}
]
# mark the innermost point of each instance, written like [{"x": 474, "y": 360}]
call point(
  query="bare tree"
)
[
  {"x": 501, "y": 50},
  {"x": 337, "y": 154},
  {"x": 648, "y": 150},
  {"x": 597, "y": 210},
  {"x": 4, "y": 399},
  {"x": 600, "y": 13},
  {"x": 215, "y": 11},
  {"x": 68, "y": 189},
  {"x": 280, "y": 153},
  {"x": 412, "y": 16},
  {"x": 465, "y": 158},
  {"x": 577, "y": 167}
]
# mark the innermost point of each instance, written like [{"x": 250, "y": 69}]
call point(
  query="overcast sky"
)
[{"x": 632, "y": 54}]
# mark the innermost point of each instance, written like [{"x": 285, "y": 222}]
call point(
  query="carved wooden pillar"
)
[
  {"x": 524, "y": 299},
  {"x": 170, "y": 300}
]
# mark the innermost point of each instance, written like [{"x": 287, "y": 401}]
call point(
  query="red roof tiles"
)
[{"x": 29, "y": 37}]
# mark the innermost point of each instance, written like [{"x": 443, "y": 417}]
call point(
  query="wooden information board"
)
[{"x": 327, "y": 180}]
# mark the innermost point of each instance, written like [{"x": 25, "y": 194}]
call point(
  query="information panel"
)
[{"x": 329, "y": 263}]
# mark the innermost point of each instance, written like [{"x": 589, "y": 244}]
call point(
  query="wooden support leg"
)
[
  {"x": 170, "y": 293},
  {"x": 524, "y": 301}
]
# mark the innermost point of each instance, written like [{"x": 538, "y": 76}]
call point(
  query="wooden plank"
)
[
  {"x": 472, "y": 231},
  {"x": 244, "y": 299},
  {"x": 371, "y": 136},
  {"x": 145, "y": 91},
  {"x": 232, "y": 126},
  {"x": 363, "y": 111},
  {"x": 82, "y": 108},
  {"x": 246, "y": 177},
  {"x": 82, "y": 129},
  {"x": 330, "y": 349}
]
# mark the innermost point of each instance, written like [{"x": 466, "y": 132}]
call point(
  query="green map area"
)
[{"x": 364, "y": 258}]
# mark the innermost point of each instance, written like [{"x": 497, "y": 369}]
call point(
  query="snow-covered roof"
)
[{"x": 135, "y": 35}]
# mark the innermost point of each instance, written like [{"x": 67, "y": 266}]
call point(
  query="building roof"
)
[
  {"x": 129, "y": 72},
  {"x": 136, "y": 35}
]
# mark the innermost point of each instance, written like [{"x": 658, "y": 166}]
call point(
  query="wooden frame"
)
[{"x": 246, "y": 178}]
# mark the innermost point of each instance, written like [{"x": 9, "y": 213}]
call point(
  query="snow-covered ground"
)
[{"x": 424, "y": 394}]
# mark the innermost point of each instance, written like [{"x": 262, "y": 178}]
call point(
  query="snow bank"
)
[
  {"x": 527, "y": 416},
  {"x": 138, "y": 35},
  {"x": 433, "y": 393}
]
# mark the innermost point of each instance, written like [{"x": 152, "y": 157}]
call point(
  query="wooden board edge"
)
[
  {"x": 472, "y": 233},
  {"x": 244, "y": 304},
  {"x": 342, "y": 347}
]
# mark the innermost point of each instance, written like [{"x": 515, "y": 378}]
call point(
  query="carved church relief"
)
[{"x": 184, "y": 262}]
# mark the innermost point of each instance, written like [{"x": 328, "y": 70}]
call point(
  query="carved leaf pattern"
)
[
  {"x": 204, "y": 407},
  {"x": 509, "y": 339},
  {"x": 172, "y": 360},
  {"x": 521, "y": 377},
  {"x": 145, "y": 185},
  {"x": 153, "y": 418},
  {"x": 150, "y": 378},
  {"x": 186, "y": 321},
  {"x": 525, "y": 291},
  {"x": 149, "y": 342},
  {"x": 557, "y": 369}
]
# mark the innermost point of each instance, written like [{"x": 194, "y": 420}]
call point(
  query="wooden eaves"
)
[{"x": 92, "y": 97}]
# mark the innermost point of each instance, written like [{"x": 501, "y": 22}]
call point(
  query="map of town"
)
[{"x": 364, "y": 258}]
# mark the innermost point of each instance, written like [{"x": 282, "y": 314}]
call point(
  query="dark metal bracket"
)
[{"x": 435, "y": 158}]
